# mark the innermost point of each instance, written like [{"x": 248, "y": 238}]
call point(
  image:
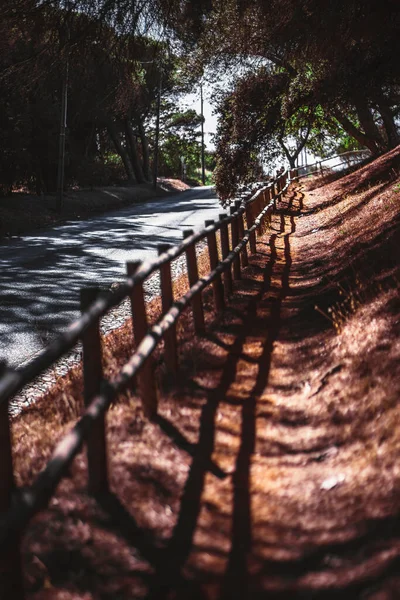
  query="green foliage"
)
[
  {"x": 336, "y": 76},
  {"x": 258, "y": 119},
  {"x": 180, "y": 140},
  {"x": 113, "y": 82}
]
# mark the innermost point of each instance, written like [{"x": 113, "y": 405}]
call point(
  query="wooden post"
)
[
  {"x": 259, "y": 208},
  {"x": 265, "y": 196},
  {"x": 244, "y": 257},
  {"x": 227, "y": 275},
  {"x": 193, "y": 276},
  {"x": 218, "y": 288},
  {"x": 274, "y": 194},
  {"x": 268, "y": 197},
  {"x": 11, "y": 580},
  {"x": 277, "y": 181},
  {"x": 92, "y": 379},
  {"x": 260, "y": 228},
  {"x": 147, "y": 386},
  {"x": 167, "y": 299},
  {"x": 250, "y": 222},
  {"x": 235, "y": 241},
  {"x": 6, "y": 463}
]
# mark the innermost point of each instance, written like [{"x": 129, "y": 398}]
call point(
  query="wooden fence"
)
[
  {"x": 18, "y": 506},
  {"x": 350, "y": 159}
]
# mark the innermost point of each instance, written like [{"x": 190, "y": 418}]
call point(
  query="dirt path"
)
[
  {"x": 272, "y": 470},
  {"x": 307, "y": 504}
]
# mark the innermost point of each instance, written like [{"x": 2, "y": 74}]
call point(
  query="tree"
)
[
  {"x": 179, "y": 140},
  {"x": 260, "y": 119},
  {"x": 113, "y": 81},
  {"x": 340, "y": 56}
]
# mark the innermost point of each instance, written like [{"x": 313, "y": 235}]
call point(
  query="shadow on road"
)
[{"x": 42, "y": 273}]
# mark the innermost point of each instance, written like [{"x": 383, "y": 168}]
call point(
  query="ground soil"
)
[
  {"x": 22, "y": 213},
  {"x": 272, "y": 469}
]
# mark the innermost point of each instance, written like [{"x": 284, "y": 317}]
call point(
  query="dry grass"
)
[
  {"x": 53, "y": 413},
  {"x": 272, "y": 469}
]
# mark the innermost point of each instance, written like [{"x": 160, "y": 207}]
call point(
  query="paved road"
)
[{"x": 41, "y": 273}]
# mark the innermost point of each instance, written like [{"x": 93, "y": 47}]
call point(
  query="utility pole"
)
[
  {"x": 203, "y": 167},
  {"x": 63, "y": 128},
  {"x": 155, "y": 165}
]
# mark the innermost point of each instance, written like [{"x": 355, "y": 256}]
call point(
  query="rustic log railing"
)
[
  {"x": 18, "y": 506},
  {"x": 352, "y": 158}
]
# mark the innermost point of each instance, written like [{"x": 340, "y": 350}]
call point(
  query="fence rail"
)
[
  {"x": 351, "y": 158},
  {"x": 17, "y": 507}
]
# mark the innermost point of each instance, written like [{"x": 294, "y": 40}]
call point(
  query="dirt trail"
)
[
  {"x": 308, "y": 503},
  {"x": 272, "y": 469}
]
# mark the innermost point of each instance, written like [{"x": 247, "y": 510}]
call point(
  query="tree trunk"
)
[
  {"x": 132, "y": 145},
  {"x": 292, "y": 158},
  {"x": 368, "y": 124},
  {"x": 145, "y": 151},
  {"x": 114, "y": 135},
  {"x": 388, "y": 121},
  {"x": 355, "y": 133}
]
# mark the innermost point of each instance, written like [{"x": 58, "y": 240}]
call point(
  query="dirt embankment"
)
[
  {"x": 272, "y": 470},
  {"x": 22, "y": 213}
]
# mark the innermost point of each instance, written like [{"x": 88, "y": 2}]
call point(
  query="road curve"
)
[{"x": 43, "y": 272}]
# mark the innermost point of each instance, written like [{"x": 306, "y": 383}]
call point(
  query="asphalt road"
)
[{"x": 41, "y": 273}]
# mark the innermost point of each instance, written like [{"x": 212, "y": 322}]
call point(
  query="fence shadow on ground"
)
[{"x": 232, "y": 538}]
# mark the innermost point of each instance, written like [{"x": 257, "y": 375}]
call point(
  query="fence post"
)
[
  {"x": 283, "y": 183},
  {"x": 272, "y": 190},
  {"x": 167, "y": 299},
  {"x": 266, "y": 195},
  {"x": 193, "y": 276},
  {"x": 278, "y": 182},
  {"x": 218, "y": 288},
  {"x": 227, "y": 275},
  {"x": 147, "y": 386},
  {"x": 92, "y": 379},
  {"x": 7, "y": 484},
  {"x": 260, "y": 207},
  {"x": 250, "y": 221},
  {"x": 11, "y": 580},
  {"x": 235, "y": 241},
  {"x": 275, "y": 194},
  {"x": 267, "y": 216},
  {"x": 244, "y": 256}
]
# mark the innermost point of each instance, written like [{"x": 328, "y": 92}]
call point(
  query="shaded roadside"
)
[
  {"x": 43, "y": 272},
  {"x": 23, "y": 213}
]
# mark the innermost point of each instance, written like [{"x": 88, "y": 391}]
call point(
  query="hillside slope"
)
[{"x": 273, "y": 469}]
